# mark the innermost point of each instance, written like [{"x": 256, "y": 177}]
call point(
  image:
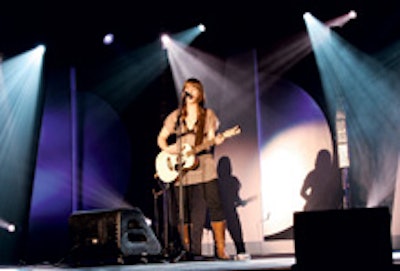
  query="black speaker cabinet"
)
[
  {"x": 341, "y": 239},
  {"x": 108, "y": 234}
]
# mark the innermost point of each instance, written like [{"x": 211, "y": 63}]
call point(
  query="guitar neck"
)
[
  {"x": 208, "y": 143},
  {"x": 203, "y": 146}
]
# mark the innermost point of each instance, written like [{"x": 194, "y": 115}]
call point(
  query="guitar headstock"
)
[{"x": 232, "y": 131}]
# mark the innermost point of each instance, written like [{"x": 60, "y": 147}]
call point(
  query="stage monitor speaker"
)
[
  {"x": 107, "y": 234},
  {"x": 338, "y": 239}
]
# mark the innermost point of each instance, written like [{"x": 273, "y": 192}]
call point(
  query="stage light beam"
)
[
  {"x": 366, "y": 91},
  {"x": 336, "y": 22},
  {"x": 342, "y": 20}
]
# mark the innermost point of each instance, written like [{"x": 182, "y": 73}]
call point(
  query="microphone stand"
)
[{"x": 180, "y": 175}]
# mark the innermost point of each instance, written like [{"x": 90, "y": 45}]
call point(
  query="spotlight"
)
[
  {"x": 201, "y": 27},
  {"x": 11, "y": 228},
  {"x": 352, "y": 14},
  {"x": 164, "y": 40},
  {"x": 7, "y": 225},
  {"x": 148, "y": 221},
  {"x": 108, "y": 39},
  {"x": 41, "y": 48},
  {"x": 306, "y": 15}
]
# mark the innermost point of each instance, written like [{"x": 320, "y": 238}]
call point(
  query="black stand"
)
[
  {"x": 156, "y": 195},
  {"x": 180, "y": 175},
  {"x": 170, "y": 247},
  {"x": 171, "y": 250}
]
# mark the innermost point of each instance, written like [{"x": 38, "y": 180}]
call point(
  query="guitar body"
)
[{"x": 167, "y": 165}]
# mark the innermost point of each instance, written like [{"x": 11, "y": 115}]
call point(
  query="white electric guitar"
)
[{"x": 167, "y": 165}]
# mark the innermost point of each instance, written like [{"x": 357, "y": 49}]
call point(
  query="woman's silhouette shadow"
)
[
  {"x": 229, "y": 187},
  {"x": 322, "y": 187}
]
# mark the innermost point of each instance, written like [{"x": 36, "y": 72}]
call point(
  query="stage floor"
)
[{"x": 278, "y": 262}]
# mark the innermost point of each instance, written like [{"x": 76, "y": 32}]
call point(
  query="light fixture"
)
[{"x": 108, "y": 39}]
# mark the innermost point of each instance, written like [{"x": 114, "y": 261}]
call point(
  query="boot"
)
[
  {"x": 191, "y": 242},
  {"x": 184, "y": 235},
  {"x": 218, "y": 228}
]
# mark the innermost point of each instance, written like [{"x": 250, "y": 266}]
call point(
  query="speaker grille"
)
[{"x": 110, "y": 233}]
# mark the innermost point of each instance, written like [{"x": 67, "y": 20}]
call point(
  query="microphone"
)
[{"x": 187, "y": 94}]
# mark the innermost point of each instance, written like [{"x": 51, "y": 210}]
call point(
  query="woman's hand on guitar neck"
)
[{"x": 219, "y": 139}]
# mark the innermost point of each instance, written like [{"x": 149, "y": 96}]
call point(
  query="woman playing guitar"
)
[{"x": 194, "y": 124}]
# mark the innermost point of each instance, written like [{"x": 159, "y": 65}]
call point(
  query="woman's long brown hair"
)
[{"x": 201, "y": 114}]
